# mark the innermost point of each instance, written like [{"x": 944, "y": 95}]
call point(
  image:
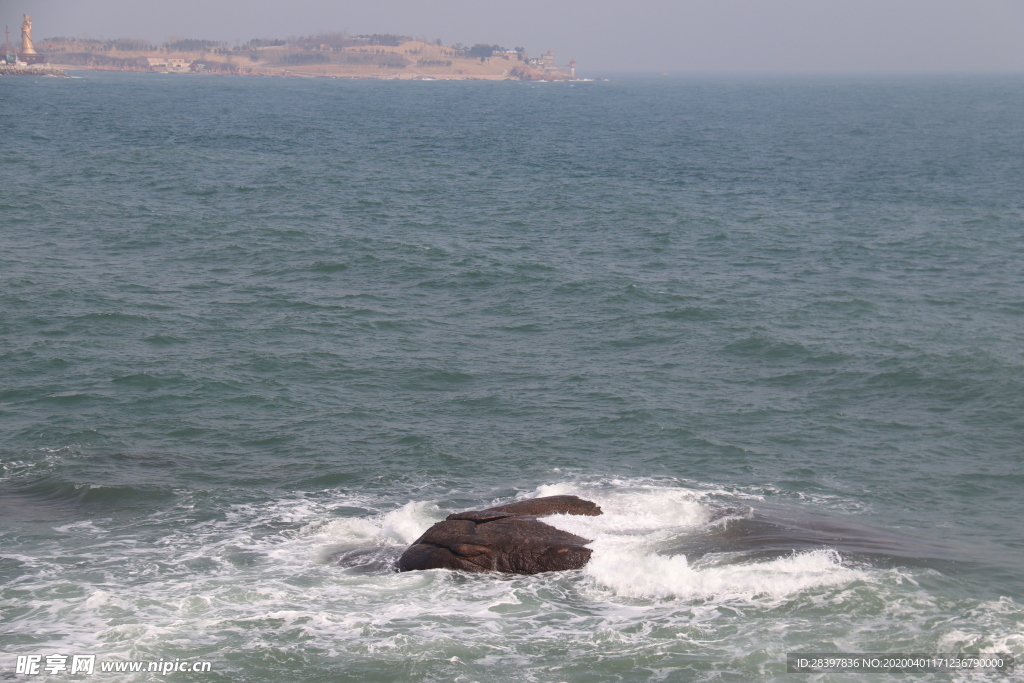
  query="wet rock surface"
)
[{"x": 506, "y": 538}]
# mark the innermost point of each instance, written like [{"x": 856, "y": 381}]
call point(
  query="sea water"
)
[{"x": 257, "y": 335}]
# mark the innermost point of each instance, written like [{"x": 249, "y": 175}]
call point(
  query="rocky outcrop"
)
[
  {"x": 525, "y": 72},
  {"x": 507, "y": 538},
  {"x": 33, "y": 70}
]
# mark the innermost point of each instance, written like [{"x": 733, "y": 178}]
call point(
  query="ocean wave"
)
[{"x": 314, "y": 573}]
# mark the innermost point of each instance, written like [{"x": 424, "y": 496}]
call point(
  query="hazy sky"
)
[{"x": 603, "y": 35}]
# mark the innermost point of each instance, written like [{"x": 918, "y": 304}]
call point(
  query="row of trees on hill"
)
[
  {"x": 483, "y": 51},
  {"x": 90, "y": 44},
  {"x": 64, "y": 44},
  {"x": 98, "y": 60},
  {"x": 339, "y": 41},
  {"x": 193, "y": 45},
  {"x": 389, "y": 60}
]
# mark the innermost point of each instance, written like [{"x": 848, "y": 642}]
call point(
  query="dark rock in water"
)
[
  {"x": 364, "y": 560},
  {"x": 506, "y": 538},
  {"x": 536, "y": 507}
]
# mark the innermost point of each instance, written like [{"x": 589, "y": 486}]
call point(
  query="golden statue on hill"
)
[{"x": 27, "y": 48}]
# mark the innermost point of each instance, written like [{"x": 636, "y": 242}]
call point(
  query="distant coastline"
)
[{"x": 321, "y": 56}]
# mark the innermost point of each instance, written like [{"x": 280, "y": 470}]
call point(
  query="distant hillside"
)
[{"x": 326, "y": 55}]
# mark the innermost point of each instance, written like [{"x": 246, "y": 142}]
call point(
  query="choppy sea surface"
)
[{"x": 256, "y": 335}]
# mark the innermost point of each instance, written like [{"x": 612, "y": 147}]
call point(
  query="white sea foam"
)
[
  {"x": 640, "y": 575},
  {"x": 78, "y": 527},
  {"x": 638, "y": 519},
  {"x": 408, "y": 522}
]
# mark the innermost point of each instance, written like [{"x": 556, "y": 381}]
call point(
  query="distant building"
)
[
  {"x": 165, "y": 64},
  {"x": 546, "y": 62}
]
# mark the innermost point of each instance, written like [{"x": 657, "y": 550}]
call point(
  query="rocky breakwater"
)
[
  {"x": 507, "y": 538},
  {"x": 31, "y": 70}
]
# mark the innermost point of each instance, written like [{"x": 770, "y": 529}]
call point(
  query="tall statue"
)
[{"x": 27, "y": 48}]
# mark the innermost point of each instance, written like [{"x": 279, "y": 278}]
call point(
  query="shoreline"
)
[{"x": 64, "y": 68}]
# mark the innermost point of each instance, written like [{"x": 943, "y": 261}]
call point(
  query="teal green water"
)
[{"x": 256, "y": 335}]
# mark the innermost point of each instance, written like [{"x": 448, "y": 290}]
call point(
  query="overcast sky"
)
[{"x": 678, "y": 36}]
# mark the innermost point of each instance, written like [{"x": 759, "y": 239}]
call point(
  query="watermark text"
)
[{"x": 49, "y": 665}]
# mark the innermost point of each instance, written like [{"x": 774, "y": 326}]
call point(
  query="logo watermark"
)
[{"x": 49, "y": 665}]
